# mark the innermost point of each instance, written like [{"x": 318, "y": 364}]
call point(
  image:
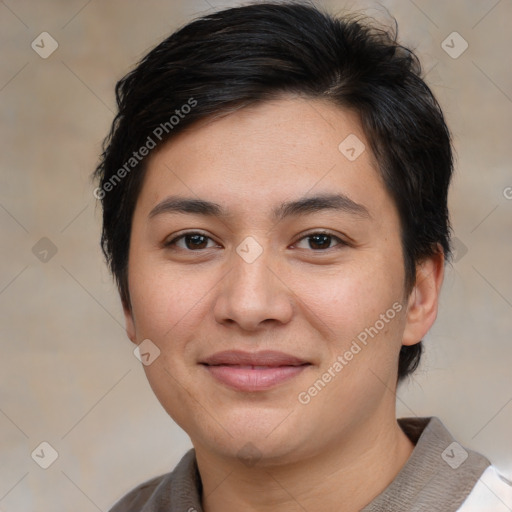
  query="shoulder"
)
[
  {"x": 177, "y": 490},
  {"x": 140, "y": 495},
  {"x": 492, "y": 491}
]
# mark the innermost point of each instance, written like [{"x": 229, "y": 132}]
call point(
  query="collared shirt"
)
[{"x": 440, "y": 475}]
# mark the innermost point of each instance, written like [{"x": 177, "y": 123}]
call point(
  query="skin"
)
[{"x": 296, "y": 297}]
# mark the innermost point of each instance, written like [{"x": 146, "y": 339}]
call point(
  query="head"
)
[{"x": 250, "y": 108}]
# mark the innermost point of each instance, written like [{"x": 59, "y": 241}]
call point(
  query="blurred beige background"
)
[{"x": 67, "y": 372}]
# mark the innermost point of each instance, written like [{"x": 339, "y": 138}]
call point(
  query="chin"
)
[
  {"x": 258, "y": 452},
  {"x": 255, "y": 437}
]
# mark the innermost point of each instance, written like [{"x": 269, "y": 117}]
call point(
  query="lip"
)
[
  {"x": 253, "y": 371},
  {"x": 262, "y": 358}
]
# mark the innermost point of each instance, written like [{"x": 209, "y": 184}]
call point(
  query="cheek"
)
[
  {"x": 359, "y": 311},
  {"x": 164, "y": 299},
  {"x": 353, "y": 296},
  {"x": 168, "y": 307}
]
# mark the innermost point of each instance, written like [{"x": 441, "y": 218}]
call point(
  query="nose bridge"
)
[
  {"x": 250, "y": 263},
  {"x": 251, "y": 292}
]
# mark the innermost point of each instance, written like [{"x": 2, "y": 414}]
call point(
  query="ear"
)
[
  {"x": 424, "y": 298},
  {"x": 129, "y": 322}
]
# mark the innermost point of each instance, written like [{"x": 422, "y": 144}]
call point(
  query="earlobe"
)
[
  {"x": 424, "y": 298},
  {"x": 129, "y": 322}
]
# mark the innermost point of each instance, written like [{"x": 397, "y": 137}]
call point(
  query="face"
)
[{"x": 278, "y": 310}]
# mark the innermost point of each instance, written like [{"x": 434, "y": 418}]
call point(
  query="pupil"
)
[
  {"x": 196, "y": 243},
  {"x": 316, "y": 237}
]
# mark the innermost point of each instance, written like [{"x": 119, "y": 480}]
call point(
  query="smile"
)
[
  {"x": 254, "y": 378},
  {"x": 258, "y": 371}
]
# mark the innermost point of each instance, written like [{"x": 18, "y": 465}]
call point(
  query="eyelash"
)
[{"x": 173, "y": 242}]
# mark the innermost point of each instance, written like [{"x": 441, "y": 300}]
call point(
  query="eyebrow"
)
[{"x": 302, "y": 206}]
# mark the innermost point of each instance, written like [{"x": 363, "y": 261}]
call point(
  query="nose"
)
[{"x": 254, "y": 292}]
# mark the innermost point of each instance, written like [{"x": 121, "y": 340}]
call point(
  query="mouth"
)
[{"x": 259, "y": 371}]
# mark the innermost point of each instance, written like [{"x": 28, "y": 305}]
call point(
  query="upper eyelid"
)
[
  {"x": 182, "y": 235},
  {"x": 299, "y": 238},
  {"x": 332, "y": 235}
]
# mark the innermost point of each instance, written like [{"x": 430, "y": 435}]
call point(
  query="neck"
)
[{"x": 353, "y": 472}]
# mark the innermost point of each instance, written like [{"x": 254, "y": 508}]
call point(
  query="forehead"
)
[{"x": 259, "y": 156}]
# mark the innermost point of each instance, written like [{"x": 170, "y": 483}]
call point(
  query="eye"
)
[
  {"x": 196, "y": 241},
  {"x": 193, "y": 241},
  {"x": 321, "y": 240}
]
